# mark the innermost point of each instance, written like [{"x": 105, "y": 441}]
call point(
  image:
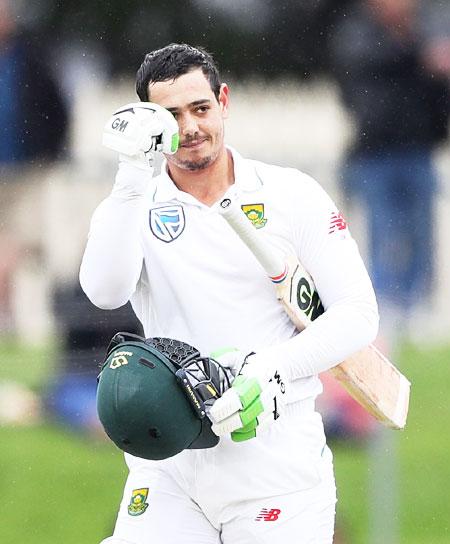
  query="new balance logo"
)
[
  {"x": 337, "y": 222},
  {"x": 268, "y": 515}
]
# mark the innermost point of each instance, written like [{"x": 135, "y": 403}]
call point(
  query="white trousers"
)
[{"x": 276, "y": 488}]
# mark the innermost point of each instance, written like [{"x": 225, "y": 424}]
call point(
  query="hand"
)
[
  {"x": 138, "y": 130},
  {"x": 254, "y": 401}
]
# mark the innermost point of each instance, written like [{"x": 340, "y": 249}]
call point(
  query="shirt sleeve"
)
[
  {"x": 326, "y": 249},
  {"x": 113, "y": 258}
]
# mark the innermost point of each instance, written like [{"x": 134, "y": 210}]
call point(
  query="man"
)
[
  {"x": 161, "y": 244},
  {"x": 394, "y": 83},
  {"x": 34, "y": 126}
]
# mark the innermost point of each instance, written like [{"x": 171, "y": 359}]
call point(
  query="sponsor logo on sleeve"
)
[
  {"x": 268, "y": 514},
  {"x": 337, "y": 222}
]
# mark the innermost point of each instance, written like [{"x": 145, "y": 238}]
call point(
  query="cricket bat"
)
[{"x": 369, "y": 377}]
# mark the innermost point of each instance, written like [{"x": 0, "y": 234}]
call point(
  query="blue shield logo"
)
[{"x": 167, "y": 223}]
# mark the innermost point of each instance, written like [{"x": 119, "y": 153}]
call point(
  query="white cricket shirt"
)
[{"x": 188, "y": 275}]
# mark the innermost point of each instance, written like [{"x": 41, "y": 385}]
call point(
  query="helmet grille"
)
[{"x": 176, "y": 351}]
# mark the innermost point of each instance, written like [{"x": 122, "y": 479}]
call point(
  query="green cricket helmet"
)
[{"x": 153, "y": 396}]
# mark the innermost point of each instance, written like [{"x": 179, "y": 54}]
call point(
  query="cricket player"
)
[{"x": 160, "y": 243}]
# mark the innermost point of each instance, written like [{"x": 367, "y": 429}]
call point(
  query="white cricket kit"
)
[{"x": 190, "y": 277}]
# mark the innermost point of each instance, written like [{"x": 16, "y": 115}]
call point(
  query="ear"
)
[{"x": 224, "y": 99}]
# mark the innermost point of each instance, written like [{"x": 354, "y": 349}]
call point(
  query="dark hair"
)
[{"x": 173, "y": 61}]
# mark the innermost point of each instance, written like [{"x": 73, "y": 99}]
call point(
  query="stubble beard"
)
[
  {"x": 200, "y": 164},
  {"x": 193, "y": 166}
]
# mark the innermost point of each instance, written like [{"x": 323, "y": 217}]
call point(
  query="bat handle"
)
[{"x": 269, "y": 258}]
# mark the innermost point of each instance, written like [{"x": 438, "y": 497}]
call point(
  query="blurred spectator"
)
[
  {"x": 344, "y": 418},
  {"x": 33, "y": 126},
  {"x": 32, "y": 111},
  {"x": 394, "y": 82}
]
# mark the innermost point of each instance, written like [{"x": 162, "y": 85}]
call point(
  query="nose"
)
[{"x": 188, "y": 126}]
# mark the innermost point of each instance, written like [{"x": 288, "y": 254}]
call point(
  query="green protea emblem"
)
[
  {"x": 137, "y": 504},
  {"x": 255, "y": 213}
]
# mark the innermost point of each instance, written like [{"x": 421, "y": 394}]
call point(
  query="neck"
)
[{"x": 209, "y": 184}]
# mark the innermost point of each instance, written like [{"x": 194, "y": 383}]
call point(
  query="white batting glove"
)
[
  {"x": 138, "y": 130},
  {"x": 254, "y": 401}
]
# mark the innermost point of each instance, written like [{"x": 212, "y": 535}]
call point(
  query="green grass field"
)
[{"x": 60, "y": 487}]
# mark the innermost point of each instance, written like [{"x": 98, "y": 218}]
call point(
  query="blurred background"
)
[{"x": 353, "y": 92}]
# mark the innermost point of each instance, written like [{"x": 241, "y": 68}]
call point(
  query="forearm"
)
[
  {"x": 350, "y": 321},
  {"x": 113, "y": 257},
  {"x": 338, "y": 333}
]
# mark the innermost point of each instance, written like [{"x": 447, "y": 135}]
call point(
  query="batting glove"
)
[
  {"x": 140, "y": 129},
  {"x": 254, "y": 401}
]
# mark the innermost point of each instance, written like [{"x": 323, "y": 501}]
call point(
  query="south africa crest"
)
[
  {"x": 255, "y": 213},
  {"x": 167, "y": 222},
  {"x": 137, "y": 504}
]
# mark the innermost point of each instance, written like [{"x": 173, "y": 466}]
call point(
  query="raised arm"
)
[{"x": 113, "y": 258}]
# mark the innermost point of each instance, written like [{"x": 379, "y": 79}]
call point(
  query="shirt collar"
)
[{"x": 245, "y": 179}]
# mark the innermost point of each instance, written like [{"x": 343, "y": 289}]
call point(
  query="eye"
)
[{"x": 202, "y": 109}]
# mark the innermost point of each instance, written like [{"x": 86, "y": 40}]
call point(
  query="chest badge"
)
[
  {"x": 255, "y": 213},
  {"x": 167, "y": 223}
]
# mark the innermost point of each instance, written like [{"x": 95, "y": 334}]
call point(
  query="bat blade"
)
[{"x": 368, "y": 376}]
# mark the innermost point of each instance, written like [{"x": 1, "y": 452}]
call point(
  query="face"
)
[
  {"x": 200, "y": 118},
  {"x": 393, "y": 11},
  {"x": 7, "y": 22}
]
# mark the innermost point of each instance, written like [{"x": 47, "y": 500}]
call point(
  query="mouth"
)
[{"x": 193, "y": 144}]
